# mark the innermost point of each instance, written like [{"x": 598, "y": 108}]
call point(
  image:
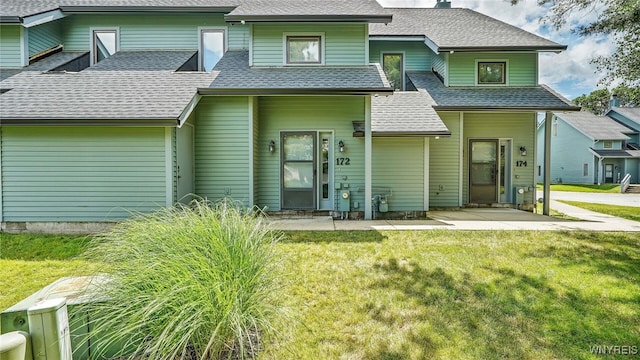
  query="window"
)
[
  {"x": 492, "y": 73},
  {"x": 305, "y": 49},
  {"x": 585, "y": 170},
  {"x": 212, "y": 47},
  {"x": 607, "y": 144},
  {"x": 392, "y": 64},
  {"x": 554, "y": 128},
  {"x": 104, "y": 43}
]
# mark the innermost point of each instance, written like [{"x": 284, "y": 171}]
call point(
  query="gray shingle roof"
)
[
  {"x": 459, "y": 29},
  {"x": 22, "y": 8},
  {"x": 631, "y": 113},
  {"x": 109, "y": 91},
  {"x": 406, "y": 113},
  {"x": 595, "y": 127},
  {"x": 616, "y": 153},
  {"x": 536, "y": 98},
  {"x": 294, "y": 10},
  {"x": 46, "y": 64},
  {"x": 234, "y": 74}
]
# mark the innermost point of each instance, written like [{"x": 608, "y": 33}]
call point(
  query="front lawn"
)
[
  {"x": 426, "y": 294},
  {"x": 625, "y": 212},
  {"x": 603, "y": 188}
]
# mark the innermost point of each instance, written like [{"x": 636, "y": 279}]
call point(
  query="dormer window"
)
[
  {"x": 104, "y": 43},
  {"x": 212, "y": 47},
  {"x": 492, "y": 73},
  {"x": 304, "y": 49}
]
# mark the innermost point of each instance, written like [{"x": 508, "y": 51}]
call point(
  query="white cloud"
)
[{"x": 570, "y": 71}]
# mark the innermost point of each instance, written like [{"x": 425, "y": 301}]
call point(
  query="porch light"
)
[
  {"x": 272, "y": 146},
  {"x": 341, "y": 145},
  {"x": 523, "y": 151}
]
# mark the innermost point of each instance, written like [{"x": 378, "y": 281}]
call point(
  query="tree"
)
[
  {"x": 619, "y": 18},
  {"x": 598, "y": 101}
]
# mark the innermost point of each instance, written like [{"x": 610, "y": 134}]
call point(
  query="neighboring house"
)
[
  {"x": 341, "y": 106},
  {"x": 590, "y": 149}
]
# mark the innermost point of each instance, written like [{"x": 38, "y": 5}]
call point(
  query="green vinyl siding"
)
[
  {"x": 330, "y": 113},
  {"x": 82, "y": 173},
  {"x": 239, "y": 36},
  {"x": 521, "y": 68},
  {"x": 345, "y": 44},
  {"x": 417, "y": 56},
  {"x": 398, "y": 163},
  {"x": 439, "y": 65},
  {"x": 10, "y": 50},
  {"x": 519, "y": 127},
  {"x": 44, "y": 37},
  {"x": 444, "y": 170},
  {"x": 149, "y": 32},
  {"x": 222, "y": 148}
]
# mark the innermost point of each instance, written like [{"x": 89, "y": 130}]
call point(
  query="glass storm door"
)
[
  {"x": 608, "y": 173},
  {"x": 298, "y": 170},
  {"x": 325, "y": 165},
  {"x": 483, "y": 171}
]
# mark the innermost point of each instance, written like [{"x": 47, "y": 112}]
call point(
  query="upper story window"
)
[
  {"x": 104, "y": 43},
  {"x": 304, "y": 49},
  {"x": 212, "y": 47},
  {"x": 492, "y": 73},
  {"x": 393, "y": 66},
  {"x": 607, "y": 144}
]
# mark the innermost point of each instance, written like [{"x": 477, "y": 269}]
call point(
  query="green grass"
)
[
  {"x": 452, "y": 294},
  {"x": 604, "y": 188},
  {"x": 625, "y": 212}
]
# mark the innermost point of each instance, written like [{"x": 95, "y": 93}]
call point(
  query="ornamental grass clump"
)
[{"x": 190, "y": 282}]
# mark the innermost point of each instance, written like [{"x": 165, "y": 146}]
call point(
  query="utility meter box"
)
[
  {"x": 344, "y": 202},
  {"x": 49, "y": 330}
]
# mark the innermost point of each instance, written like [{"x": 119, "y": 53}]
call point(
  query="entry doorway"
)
[
  {"x": 608, "y": 173},
  {"x": 483, "y": 171},
  {"x": 306, "y": 170}
]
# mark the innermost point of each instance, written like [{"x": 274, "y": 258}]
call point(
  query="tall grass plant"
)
[{"x": 191, "y": 282}]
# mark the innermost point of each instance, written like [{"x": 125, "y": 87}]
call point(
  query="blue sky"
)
[{"x": 569, "y": 72}]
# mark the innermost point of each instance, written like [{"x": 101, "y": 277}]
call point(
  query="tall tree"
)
[
  {"x": 618, "y": 18},
  {"x": 599, "y": 101}
]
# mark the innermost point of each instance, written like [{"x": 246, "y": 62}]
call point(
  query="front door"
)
[
  {"x": 483, "y": 171},
  {"x": 325, "y": 180},
  {"x": 608, "y": 173},
  {"x": 298, "y": 174}
]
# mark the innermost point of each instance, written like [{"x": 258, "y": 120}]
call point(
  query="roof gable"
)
[
  {"x": 595, "y": 127},
  {"x": 631, "y": 113}
]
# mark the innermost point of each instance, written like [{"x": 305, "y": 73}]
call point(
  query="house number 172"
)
[
  {"x": 343, "y": 161},
  {"x": 521, "y": 163}
]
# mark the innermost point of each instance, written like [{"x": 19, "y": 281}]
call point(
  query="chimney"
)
[
  {"x": 443, "y": 4},
  {"x": 614, "y": 102}
]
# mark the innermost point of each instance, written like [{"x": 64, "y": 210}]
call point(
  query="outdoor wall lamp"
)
[
  {"x": 341, "y": 145},
  {"x": 272, "y": 146},
  {"x": 523, "y": 151}
]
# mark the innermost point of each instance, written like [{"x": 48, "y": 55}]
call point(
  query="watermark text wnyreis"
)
[{"x": 613, "y": 349}]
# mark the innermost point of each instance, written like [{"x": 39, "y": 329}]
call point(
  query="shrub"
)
[{"x": 190, "y": 282}]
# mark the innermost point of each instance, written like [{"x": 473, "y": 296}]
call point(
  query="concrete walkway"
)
[
  {"x": 598, "y": 198},
  {"x": 474, "y": 219}
]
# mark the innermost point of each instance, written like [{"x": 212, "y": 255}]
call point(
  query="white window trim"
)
[
  {"x": 404, "y": 67},
  {"x": 225, "y": 46},
  {"x": 506, "y": 71},
  {"x": 294, "y": 34},
  {"x": 92, "y": 40}
]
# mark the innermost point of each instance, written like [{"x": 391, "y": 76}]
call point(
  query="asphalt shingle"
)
[
  {"x": 109, "y": 91},
  {"x": 234, "y": 73},
  {"x": 595, "y": 127},
  {"x": 631, "y": 113},
  {"x": 406, "y": 113},
  {"x": 457, "y": 28},
  {"x": 286, "y": 8},
  {"x": 538, "y": 98}
]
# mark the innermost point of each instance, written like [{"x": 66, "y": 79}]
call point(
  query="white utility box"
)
[{"x": 49, "y": 330}]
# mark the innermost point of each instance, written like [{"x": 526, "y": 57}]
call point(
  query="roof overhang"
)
[
  {"x": 72, "y": 9},
  {"x": 450, "y": 49},
  {"x": 397, "y": 38},
  {"x": 296, "y": 91},
  {"x": 310, "y": 18},
  {"x": 33, "y": 19},
  {"x": 503, "y": 108},
  {"x": 620, "y": 154},
  {"x": 88, "y": 122}
]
